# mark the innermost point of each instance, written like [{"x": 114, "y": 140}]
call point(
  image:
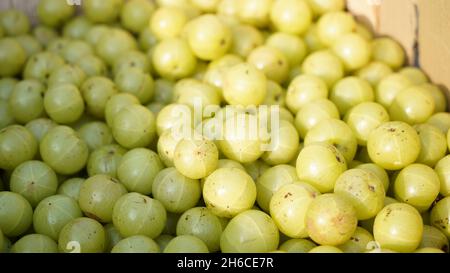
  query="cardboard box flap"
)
[{"x": 434, "y": 41}]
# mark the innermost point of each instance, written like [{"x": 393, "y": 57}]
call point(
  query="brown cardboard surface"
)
[
  {"x": 421, "y": 26},
  {"x": 394, "y": 18},
  {"x": 434, "y": 41}
]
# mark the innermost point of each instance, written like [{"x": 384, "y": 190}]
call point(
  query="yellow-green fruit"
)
[
  {"x": 297, "y": 246},
  {"x": 434, "y": 144},
  {"x": 305, "y": 89},
  {"x": 398, "y": 227},
  {"x": 417, "y": 185},
  {"x": 358, "y": 243},
  {"x": 320, "y": 164},
  {"x": 364, "y": 118},
  {"x": 350, "y": 92},
  {"x": 412, "y": 105},
  {"x": 229, "y": 191},
  {"x": 388, "y": 51},
  {"x": 440, "y": 215},
  {"x": 363, "y": 189},
  {"x": 394, "y": 145},
  {"x": 443, "y": 171},
  {"x": 433, "y": 237},
  {"x": 250, "y": 231},
  {"x": 288, "y": 208},
  {"x": 331, "y": 219},
  {"x": 325, "y": 249},
  {"x": 334, "y": 132},
  {"x": 271, "y": 181}
]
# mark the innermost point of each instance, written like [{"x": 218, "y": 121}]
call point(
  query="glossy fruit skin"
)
[
  {"x": 364, "y": 118},
  {"x": 34, "y": 180},
  {"x": 314, "y": 112},
  {"x": 388, "y": 51},
  {"x": 271, "y": 181},
  {"x": 135, "y": 15},
  {"x": 353, "y": 50},
  {"x": 325, "y": 249},
  {"x": 113, "y": 43},
  {"x": 412, "y": 105},
  {"x": 271, "y": 61},
  {"x": 288, "y": 208},
  {"x": 16, "y": 214},
  {"x": 55, "y": 150},
  {"x": 334, "y": 132},
  {"x": 433, "y": 237},
  {"x": 325, "y": 65},
  {"x": 88, "y": 235},
  {"x": 186, "y": 244},
  {"x": 245, "y": 85},
  {"x": 358, "y": 243},
  {"x": 442, "y": 170},
  {"x": 350, "y": 92},
  {"x": 137, "y": 82},
  {"x": 67, "y": 74},
  {"x": 240, "y": 237},
  {"x": 394, "y": 145},
  {"x": 398, "y": 227},
  {"x": 196, "y": 158},
  {"x": 389, "y": 87},
  {"x": 71, "y": 187},
  {"x": 102, "y": 12},
  {"x": 333, "y": 25},
  {"x": 175, "y": 191},
  {"x": 35, "y": 243},
  {"x": 116, "y": 103},
  {"x": 41, "y": 65},
  {"x": 17, "y": 145},
  {"x": 173, "y": 59},
  {"x": 202, "y": 223},
  {"x": 136, "y": 244},
  {"x": 208, "y": 37},
  {"x": 229, "y": 191},
  {"x": 40, "y": 127},
  {"x": 374, "y": 72},
  {"x": 105, "y": 160},
  {"x": 291, "y": 16},
  {"x": 137, "y": 169},
  {"x": 53, "y": 13},
  {"x": 98, "y": 194},
  {"x": 284, "y": 145},
  {"x": 134, "y": 126},
  {"x": 363, "y": 189},
  {"x": 378, "y": 171},
  {"x": 240, "y": 142},
  {"x": 12, "y": 56},
  {"x": 320, "y": 164},
  {"x": 305, "y": 89},
  {"x": 255, "y": 12},
  {"x": 137, "y": 214},
  {"x": 95, "y": 134},
  {"x": 331, "y": 219},
  {"x": 297, "y": 246},
  {"x": 440, "y": 102},
  {"x": 64, "y": 103},
  {"x": 440, "y": 215},
  {"x": 96, "y": 92},
  {"x": 53, "y": 213},
  {"x": 292, "y": 46},
  {"x": 26, "y": 101},
  {"x": 417, "y": 185}
]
